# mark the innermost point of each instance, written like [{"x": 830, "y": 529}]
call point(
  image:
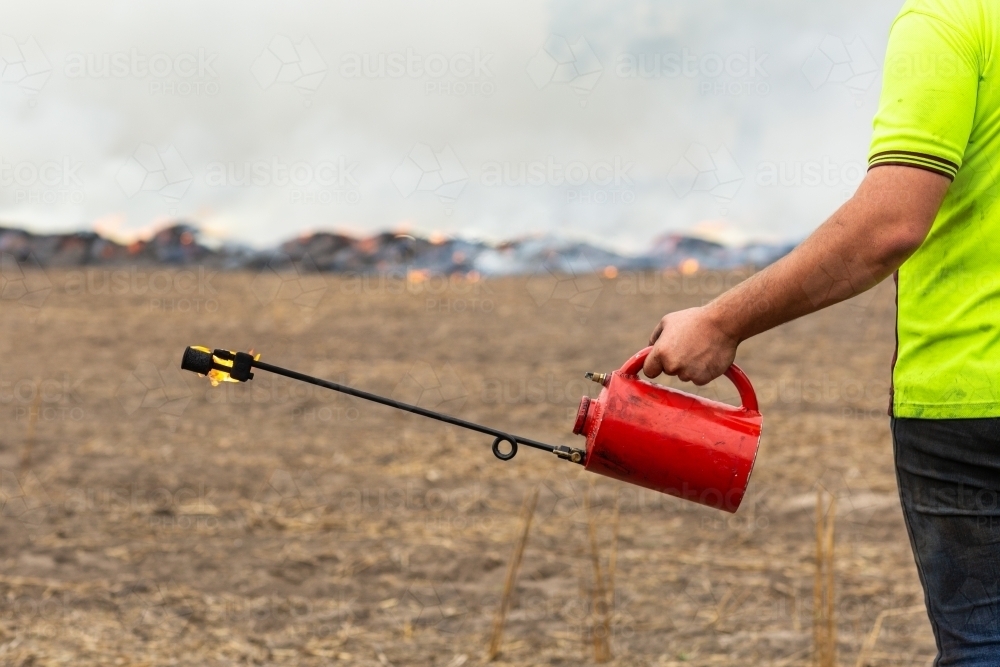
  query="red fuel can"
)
[{"x": 671, "y": 441}]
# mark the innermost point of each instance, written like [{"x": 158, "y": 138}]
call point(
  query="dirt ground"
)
[{"x": 149, "y": 519}]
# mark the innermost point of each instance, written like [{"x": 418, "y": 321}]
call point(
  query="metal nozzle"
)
[{"x": 599, "y": 378}]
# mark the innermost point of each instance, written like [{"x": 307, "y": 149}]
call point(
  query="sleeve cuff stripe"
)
[
  {"x": 916, "y": 161},
  {"x": 903, "y": 155},
  {"x": 934, "y": 168}
]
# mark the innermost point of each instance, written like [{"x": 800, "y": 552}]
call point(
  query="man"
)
[{"x": 928, "y": 210}]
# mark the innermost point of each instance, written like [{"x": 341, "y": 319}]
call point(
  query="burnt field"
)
[{"x": 150, "y": 519}]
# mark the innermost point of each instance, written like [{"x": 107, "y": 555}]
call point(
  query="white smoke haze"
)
[{"x": 611, "y": 122}]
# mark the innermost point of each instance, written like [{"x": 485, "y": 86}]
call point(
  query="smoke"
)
[{"x": 259, "y": 120}]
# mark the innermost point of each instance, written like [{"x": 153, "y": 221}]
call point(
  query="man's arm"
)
[{"x": 867, "y": 239}]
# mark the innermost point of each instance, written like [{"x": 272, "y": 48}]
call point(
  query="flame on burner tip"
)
[{"x": 216, "y": 376}]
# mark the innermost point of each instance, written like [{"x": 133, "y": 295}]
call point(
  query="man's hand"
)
[
  {"x": 691, "y": 346},
  {"x": 864, "y": 242}
]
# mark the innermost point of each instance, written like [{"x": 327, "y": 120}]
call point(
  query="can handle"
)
[{"x": 747, "y": 395}]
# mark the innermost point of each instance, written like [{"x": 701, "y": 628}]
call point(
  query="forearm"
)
[{"x": 865, "y": 241}]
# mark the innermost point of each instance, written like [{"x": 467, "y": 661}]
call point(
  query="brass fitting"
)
[
  {"x": 570, "y": 454},
  {"x": 599, "y": 378}
]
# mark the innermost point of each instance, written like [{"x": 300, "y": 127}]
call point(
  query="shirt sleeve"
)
[{"x": 929, "y": 90}]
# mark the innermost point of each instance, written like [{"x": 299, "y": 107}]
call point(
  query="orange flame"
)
[
  {"x": 689, "y": 266},
  {"x": 217, "y": 377}
]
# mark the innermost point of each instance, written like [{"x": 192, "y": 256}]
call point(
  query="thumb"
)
[
  {"x": 656, "y": 332},
  {"x": 652, "y": 366}
]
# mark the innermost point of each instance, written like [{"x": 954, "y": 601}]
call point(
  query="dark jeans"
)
[{"x": 949, "y": 483}]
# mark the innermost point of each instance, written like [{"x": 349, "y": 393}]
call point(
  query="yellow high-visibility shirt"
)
[{"x": 940, "y": 111}]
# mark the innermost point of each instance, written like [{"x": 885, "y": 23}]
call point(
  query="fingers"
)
[
  {"x": 701, "y": 379},
  {"x": 714, "y": 369},
  {"x": 652, "y": 366},
  {"x": 656, "y": 365},
  {"x": 689, "y": 347}
]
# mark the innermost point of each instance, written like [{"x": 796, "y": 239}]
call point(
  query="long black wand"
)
[{"x": 237, "y": 366}]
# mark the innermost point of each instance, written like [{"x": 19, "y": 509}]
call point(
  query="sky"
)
[{"x": 607, "y": 122}]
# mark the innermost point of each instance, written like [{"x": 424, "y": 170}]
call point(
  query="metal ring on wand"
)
[{"x": 513, "y": 447}]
